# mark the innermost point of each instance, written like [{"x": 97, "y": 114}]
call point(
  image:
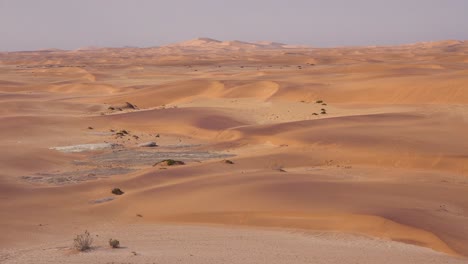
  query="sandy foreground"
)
[
  {"x": 292, "y": 154},
  {"x": 198, "y": 244}
]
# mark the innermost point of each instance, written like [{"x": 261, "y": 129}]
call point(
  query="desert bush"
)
[
  {"x": 319, "y": 101},
  {"x": 228, "y": 161},
  {"x": 131, "y": 106},
  {"x": 114, "y": 243},
  {"x": 83, "y": 241},
  {"x": 117, "y": 191},
  {"x": 170, "y": 162}
]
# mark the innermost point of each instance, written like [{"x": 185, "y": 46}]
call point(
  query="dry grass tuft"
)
[{"x": 83, "y": 241}]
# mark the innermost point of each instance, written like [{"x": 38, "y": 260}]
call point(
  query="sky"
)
[{"x": 70, "y": 24}]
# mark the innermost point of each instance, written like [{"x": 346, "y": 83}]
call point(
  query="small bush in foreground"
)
[
  {"x": 114, "y": 243},
  {"x": 117, "y": 191},
  {"x": 83, "y": 242}
]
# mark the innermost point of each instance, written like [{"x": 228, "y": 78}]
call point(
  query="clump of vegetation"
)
[
  {"x": 83, "y": 241},
  {"x": 228, "y": 161},
  {"x": 114, "y": 243},
  {"x": 131, "y": 106},
  {"x": 117, "y": 191},
  {"x": 122, "y": 133},
  {"x": 170, "y": 162},
  {"x": 279, "y": 168},
  {"x": 319, "y": 102}
]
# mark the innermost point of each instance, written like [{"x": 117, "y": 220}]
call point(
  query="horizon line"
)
[{"x": 94, "y": 47}]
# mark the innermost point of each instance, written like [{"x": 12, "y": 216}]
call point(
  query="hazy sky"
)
[{"x": 69, "y": 24}]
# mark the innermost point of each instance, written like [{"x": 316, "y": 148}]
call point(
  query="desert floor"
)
[{"x": 340, "y": 155}]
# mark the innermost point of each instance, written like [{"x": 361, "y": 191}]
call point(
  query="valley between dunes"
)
[{"x": 342, "y": 154}]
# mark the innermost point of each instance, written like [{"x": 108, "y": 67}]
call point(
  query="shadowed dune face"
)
[{"x": 371, "y": 141}]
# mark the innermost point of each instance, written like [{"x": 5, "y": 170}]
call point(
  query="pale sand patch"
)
[{"x": 85, "y": 147}]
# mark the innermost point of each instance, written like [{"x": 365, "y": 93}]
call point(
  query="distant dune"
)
[{"x": 207, "y": 43}]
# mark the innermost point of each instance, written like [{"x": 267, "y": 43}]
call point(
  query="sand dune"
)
[
  {"x": 208, "y": 43},
  {"x": 354, "y": 154}
]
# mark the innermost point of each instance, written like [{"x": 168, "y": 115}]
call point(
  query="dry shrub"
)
[
  {"x": 83, "y": 242},
  {"x": 114, "y": 243}
]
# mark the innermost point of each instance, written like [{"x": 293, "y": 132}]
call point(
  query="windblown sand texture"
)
[{"x": 340, "y": 155}]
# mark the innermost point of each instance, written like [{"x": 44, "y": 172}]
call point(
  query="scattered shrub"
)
[
  {"x": 83, "y": 242},
  {"x": 279, "y": 168},
  {"x": 228, "y": 161},
  {"x": 131, "y": 106},
  {"x": 319, "y": 101},
  {"x": 170, "y": 162},
  {"x": 122, "y": 133},
  {"x": 114, "y": 243},
  {"x": 117, "y": 191}
]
